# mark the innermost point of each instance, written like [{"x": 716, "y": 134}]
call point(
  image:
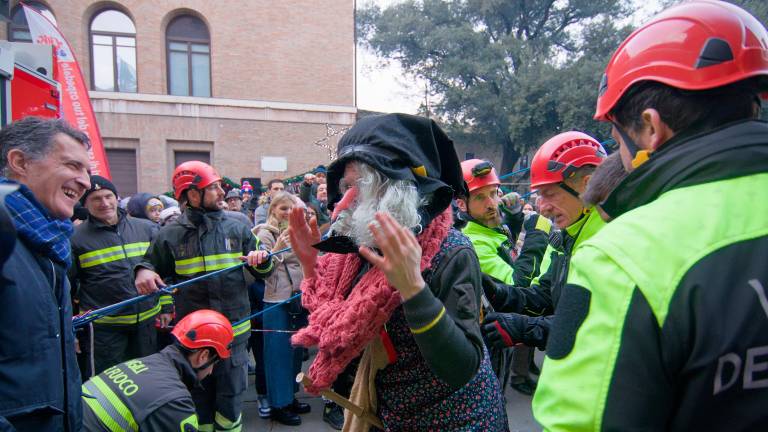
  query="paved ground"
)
[{"x": 518, "y": 411}]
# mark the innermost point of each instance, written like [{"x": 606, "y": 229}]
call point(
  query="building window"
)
[
  {"x": 113, "y": 52},
  {"x": 18, "y": 30},
  {"x": 179, "y": 157},
  {"x": 188, "y": 44},
  {"x": 122, "y": 166}
]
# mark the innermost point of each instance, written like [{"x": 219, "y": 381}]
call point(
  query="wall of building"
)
[
  {"x": 280, "y": 72},
  {"x": 298, "y": 51}
]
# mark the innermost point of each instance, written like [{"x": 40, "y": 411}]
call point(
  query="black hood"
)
[{"x": 402, "y": 147}]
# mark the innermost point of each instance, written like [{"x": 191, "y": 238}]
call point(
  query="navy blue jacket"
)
[{"x": 39, "y": 377}]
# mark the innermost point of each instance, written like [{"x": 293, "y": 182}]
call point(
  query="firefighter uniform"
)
[
  {"x": 145, "y": 394},
  {"x": 197, "y": 243},
  {"x": 104, "y": 257}
]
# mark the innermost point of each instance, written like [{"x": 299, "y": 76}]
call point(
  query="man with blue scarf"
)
[{"x": 39, "y": 377}]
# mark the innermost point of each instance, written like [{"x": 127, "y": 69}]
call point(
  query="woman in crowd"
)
[{"x": 281, "y": 361}]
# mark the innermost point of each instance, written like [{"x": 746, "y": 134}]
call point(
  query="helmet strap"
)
[
  {"x": 569, "y": 189},
  {"x": 214, "y": 358},
  {"x": 639, "y": 157}
]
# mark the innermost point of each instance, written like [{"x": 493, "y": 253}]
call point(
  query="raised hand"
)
[
  {"x": 401, "y": 260},
  {"x": 303, "y": 235}
]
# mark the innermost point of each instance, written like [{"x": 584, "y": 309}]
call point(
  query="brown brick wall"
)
[
  {"x": 298, "y": 51},
  {"x": 237, "y": 145}
]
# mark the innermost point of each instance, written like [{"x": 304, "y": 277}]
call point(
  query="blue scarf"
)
[{"x": 36, "y": 227}]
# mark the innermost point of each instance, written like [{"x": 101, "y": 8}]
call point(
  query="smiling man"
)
[{"x": 39, "y": 377}]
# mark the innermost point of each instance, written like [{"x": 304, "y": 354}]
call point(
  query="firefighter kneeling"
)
[{"x": 152, "y": 393}]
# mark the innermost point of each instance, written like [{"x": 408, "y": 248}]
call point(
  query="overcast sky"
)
[{"x": 388, "y": 89}]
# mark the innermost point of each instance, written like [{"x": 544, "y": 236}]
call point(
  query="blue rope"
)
[
  {"x": 254, "y": 315},
  {"x": 87, "y": 317},
  {"x": 513, "y": 173}
]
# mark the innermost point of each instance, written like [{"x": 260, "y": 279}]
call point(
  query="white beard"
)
[{"x": 376, "y": 193}]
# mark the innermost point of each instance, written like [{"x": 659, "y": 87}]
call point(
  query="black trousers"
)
[
  {"x": 220, "y": 400},
  {"x": 114, "y": 344}
]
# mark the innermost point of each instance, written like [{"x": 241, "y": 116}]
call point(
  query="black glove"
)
[{"x": 503, "y": 330}]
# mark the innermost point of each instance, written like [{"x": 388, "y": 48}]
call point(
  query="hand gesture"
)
[
  {"x": 283, "y": 240},
  {"x": 302, "y": 236},
  {"x": 401, "y": 260},
  {"x": 511, "y": 203},
  {"x": 148, "y": 281},
  {"x": 165, "y": 319},
  {"x": 256, "y": 257}
]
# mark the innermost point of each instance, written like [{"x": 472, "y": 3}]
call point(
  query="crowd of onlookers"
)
[{"x": 267, "y": 216}]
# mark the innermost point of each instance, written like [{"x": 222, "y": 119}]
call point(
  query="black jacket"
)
[
  {"x": 153, "y": 389},
  {"x": 201, "y": 242},
  {"x": 104, "y": 257},
  {"x": 38, "y": 368}
]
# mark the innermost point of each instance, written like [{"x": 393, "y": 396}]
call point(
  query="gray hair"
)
[
  {"x": 34, "y": 137},
  {"x": 378, "y": 193}
]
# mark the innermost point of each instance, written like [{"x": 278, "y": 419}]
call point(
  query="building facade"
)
[{"x": 247, "y": 85}]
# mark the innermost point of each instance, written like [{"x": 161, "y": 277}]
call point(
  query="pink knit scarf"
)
[{"x": 341, "y": 328}]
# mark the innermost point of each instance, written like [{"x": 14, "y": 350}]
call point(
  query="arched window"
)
[
  {"x": 188, "y": 44},
  {"x": 113, "y": 52},
  {"x": 18, "y": 30}
]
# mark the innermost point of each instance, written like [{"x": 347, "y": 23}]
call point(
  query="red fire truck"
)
[{"x": 27, "y": 87}]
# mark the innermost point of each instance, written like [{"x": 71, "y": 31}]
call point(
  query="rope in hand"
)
[{"x": 91, "y": 315}]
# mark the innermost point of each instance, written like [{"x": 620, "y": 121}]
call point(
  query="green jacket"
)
[
  {"x": 664, "y": 322},
  {"x": 493, "y": 251},
  {"x": 535, "y": 305}
]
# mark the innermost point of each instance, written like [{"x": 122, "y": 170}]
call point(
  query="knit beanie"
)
[{"x": 98, "y": 183}]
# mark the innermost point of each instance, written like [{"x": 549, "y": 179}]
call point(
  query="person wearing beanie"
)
[
  {"x": 321, "y": 174},
  {"x": 105, "y": 247},
  {"x": 145, "y": 206},
  {"x": 248, "y": 202}
]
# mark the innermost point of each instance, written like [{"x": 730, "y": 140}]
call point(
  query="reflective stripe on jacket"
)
[
  {"x": 104, "y": 257},
  {"x": 201, "y": 242},
  {"x": 145, "y": 394}
]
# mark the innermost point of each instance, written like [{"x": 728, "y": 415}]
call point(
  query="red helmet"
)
[
  {"x": 479, "y": 173},
  {"x": 695, "y": 45},
  {"x": 193, "y": 174},
  {"x": 205, "y": 329},
  {"x": 555, "y": 160}
]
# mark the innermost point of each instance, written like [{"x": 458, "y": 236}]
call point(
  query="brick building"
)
[{"x": 248, "y": 85}]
